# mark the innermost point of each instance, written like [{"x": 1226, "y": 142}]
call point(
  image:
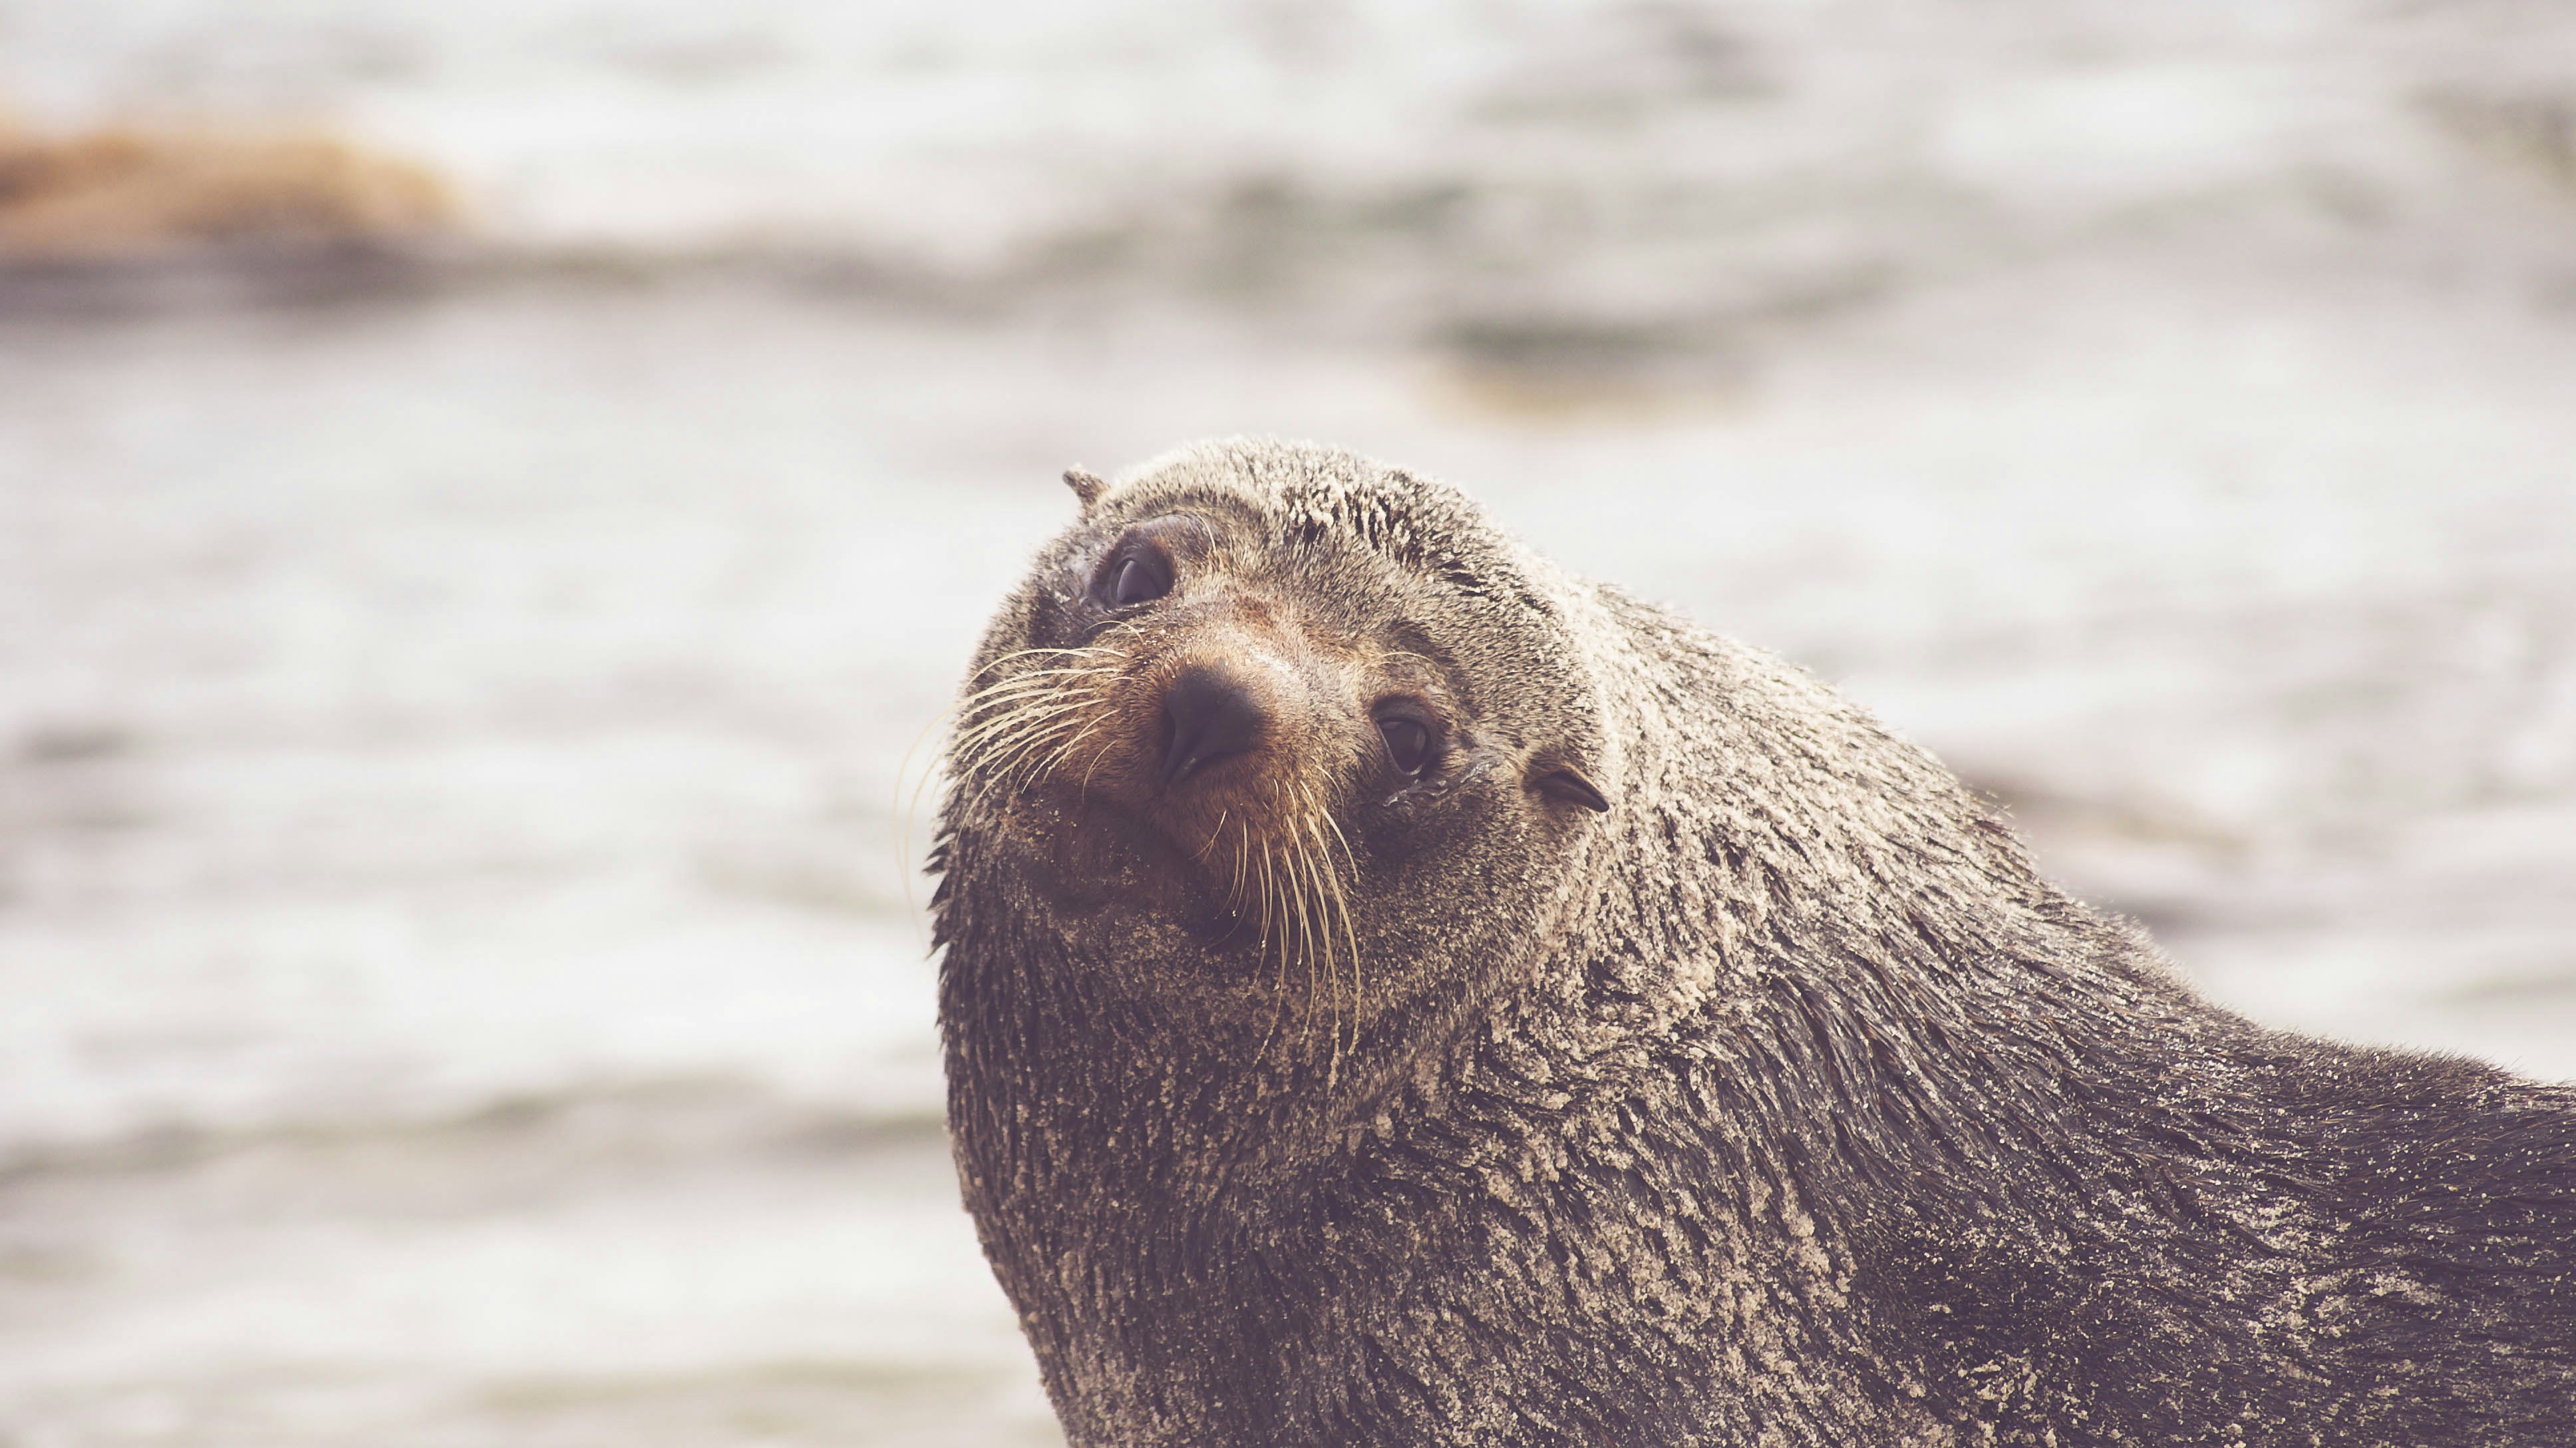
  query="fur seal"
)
[{"x": 1399, "y": 993}]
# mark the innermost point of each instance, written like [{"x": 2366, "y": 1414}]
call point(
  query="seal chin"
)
[{"x": 1236, "y": 889}]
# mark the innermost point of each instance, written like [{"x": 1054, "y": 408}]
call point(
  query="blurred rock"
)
[{"x": 124, "y": 192}]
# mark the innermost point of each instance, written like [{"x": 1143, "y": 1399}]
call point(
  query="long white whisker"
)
[
  {"x": 1342, "y": 905},
  {"x": 1279, "y": 980}
]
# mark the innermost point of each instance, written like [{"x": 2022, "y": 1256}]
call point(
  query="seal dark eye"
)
[
  {"x": 1146, "y": 561},
  {"x": 1138, "y": 580},
  {"x": 1408, "y": 743}
]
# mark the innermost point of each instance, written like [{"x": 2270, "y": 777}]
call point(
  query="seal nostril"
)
[{"x": 1208, "y": 715}]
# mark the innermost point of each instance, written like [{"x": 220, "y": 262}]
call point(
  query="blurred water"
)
[
  {"x": 1638, "y": 177},
  {"x": 462, "y": 981}
]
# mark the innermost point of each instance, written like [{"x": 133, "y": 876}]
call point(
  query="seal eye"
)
[
  {"x": 1408, "y": 743},
  {"x": 1138, "y": 580}
]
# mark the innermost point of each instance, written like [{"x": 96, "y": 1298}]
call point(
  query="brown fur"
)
[{"x": 1779, "y": 1103}]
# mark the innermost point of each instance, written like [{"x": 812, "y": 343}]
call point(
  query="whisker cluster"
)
[
  {"x": 1302, "y": 908},
  {"x": 986, "y": 731},
  {"x": 1016, "y": 730}
]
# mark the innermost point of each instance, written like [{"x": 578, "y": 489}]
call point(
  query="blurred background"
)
[{"x": 490, "y": 493}]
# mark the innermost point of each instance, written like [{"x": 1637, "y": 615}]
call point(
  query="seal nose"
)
[{"x": 1211, "y": 716}]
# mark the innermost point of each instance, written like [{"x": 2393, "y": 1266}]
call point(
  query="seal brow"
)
[{"x": 1411, "y": 640}]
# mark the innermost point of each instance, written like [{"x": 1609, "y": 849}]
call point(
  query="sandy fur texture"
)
[{"x": 1782, "y": 1103}]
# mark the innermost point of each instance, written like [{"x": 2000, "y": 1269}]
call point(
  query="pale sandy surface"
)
[{"x": 457, "y": 984}]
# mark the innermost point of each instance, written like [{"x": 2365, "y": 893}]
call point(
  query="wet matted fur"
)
[{"x": 1674, "y": 1056}]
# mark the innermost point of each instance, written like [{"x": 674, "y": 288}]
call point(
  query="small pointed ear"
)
[
  {"x": 1565, "y": 782},
  {"x": 1086, "y": 484}
]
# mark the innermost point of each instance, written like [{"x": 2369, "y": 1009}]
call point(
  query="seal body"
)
[{"x": 1661, "y": 1053}]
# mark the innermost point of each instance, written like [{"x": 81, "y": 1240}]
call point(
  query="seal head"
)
[{"x": 1247, "y": 746}]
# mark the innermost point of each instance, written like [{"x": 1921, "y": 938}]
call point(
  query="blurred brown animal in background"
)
[{"x": 123, "y": 191}]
